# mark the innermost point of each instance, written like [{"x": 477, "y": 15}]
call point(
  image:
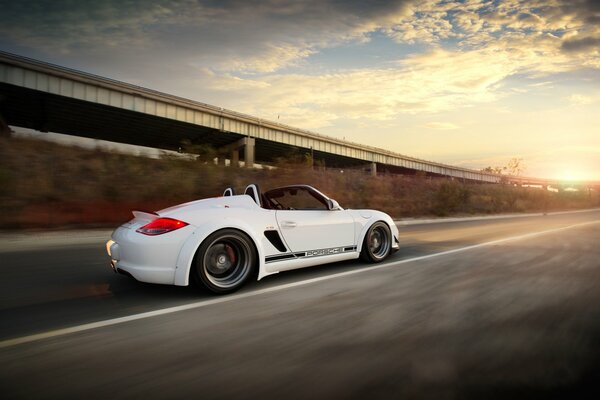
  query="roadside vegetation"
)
[{"x": 47, "y": 185}]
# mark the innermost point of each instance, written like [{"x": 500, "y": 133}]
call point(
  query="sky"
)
[{"x": 471, "y": 83}]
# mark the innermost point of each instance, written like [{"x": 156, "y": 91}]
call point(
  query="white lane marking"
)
[
  {"x": 409, "y": 222},
  {"x": 206, "y": 303}
]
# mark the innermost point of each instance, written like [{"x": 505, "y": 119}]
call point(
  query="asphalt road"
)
[{"x": 476, "y": 309}]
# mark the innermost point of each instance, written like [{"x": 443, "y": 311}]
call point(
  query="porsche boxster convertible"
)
[{"x": 222, "y": 242}]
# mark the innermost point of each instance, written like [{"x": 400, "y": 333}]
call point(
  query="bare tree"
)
[
  {"x": 515, "y": 166},
  {"x": 493, "y": 170}
]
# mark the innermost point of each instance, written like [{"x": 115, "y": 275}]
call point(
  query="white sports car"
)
[{"x": 222, "y": 242}]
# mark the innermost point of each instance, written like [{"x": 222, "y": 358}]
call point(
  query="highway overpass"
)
[{"x": 50, "y": 98}]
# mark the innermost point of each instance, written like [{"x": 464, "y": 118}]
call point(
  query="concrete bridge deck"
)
[{"x": 47, "y": 97}]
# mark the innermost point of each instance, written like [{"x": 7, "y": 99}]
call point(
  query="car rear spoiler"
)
[{"x": 145, "y": 215}]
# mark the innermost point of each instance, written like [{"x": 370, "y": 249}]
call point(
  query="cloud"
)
[
  {"x": 574, "y": 150},
  {"x": 261, "y": 37},
  {"x": 241, "y": 36},
  {"x": 540, "y": 28},
  {"x": 444, "y": 126},
  {"x": 546, "y": 84},
  {"x": 586, "y": 44},
  {"x": 426, "y": 83},
  {"x": 67, "y": 26},
  {"x": 580, "y": 100}
]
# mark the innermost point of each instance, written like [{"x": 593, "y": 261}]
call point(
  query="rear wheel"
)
[
  {"x": 378, "y": 243},
  {"x": 224, "y": 261}
]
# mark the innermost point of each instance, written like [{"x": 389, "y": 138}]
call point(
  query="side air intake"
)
[{"x": 275, "y": 240}]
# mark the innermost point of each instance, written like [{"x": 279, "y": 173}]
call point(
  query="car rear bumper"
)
[{"x": 149, "y": 259}]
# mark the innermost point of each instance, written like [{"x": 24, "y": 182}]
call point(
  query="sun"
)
[{"x": 573, "y": 175}]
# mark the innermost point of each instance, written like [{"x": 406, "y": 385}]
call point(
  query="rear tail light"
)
[{"x": 160, "y": 226}]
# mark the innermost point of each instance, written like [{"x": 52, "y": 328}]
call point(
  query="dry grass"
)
[{"x": 46, "y": 185}]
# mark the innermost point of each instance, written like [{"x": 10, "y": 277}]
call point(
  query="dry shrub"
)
[{"x": 46, "y": 185}]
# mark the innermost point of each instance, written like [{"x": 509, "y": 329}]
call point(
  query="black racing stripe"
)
[
  {"x": 279, "y": 257},
  {"x": 304, "y": 254}
]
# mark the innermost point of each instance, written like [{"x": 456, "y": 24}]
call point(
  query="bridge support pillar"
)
[
  {"x": 373, "y": 169},
  {"x": 235, "y": 158},
  {"x": 248, "y": 143},
  {"x": 249, "y": 152}
]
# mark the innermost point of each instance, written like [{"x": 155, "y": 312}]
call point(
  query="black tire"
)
[
  {"x": 377, "y": 244},
  {"x": 224, "y": 261}
]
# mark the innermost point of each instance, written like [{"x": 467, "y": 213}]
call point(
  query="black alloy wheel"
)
[
  {"x": 378, "y": 243},
  {"x": 225, "y": 261}
]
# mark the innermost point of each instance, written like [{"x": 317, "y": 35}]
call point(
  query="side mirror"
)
[{"x": 333, "y": 205}]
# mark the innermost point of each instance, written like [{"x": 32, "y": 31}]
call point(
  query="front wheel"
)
[
  {"x": 224, "y": 261},
  {"x": 377, "y": 244}
]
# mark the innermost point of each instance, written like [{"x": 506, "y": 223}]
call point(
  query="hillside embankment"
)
[{"x": 51, "y": 186}]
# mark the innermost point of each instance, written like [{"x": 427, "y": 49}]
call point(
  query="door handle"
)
[{"x": 288, "y": 224}]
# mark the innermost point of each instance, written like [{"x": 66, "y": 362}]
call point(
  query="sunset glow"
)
[
  {"x": 573, "y": 175},
  {"x": 470, "y": 83}
]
